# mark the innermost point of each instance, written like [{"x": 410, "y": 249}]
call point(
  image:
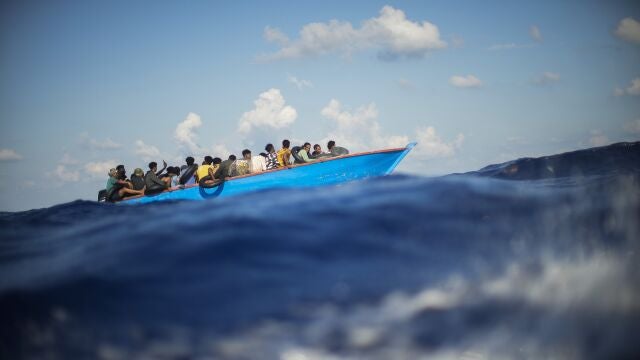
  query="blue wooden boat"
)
[{"x": 326, "y": 171}]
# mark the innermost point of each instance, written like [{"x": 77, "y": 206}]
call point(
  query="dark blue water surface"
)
[{"x": 531, "y": 259}]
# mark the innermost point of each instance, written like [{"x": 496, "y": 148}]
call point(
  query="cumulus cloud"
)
[
  {"x": 147, "y": 152},
  {"x": 391, "y": 33},
  {"x": 9, "y": 155},
  {"x": 359, "y": 130},
  {"x": 63, "y": 174},
  {"x": 469, "y": 81},
  {"x": 535, "y": 33},
  {"x": 106, "y": 144},
  {"x": 629, "y": 30},
  {"x": 68, "y": 160},
  {"x": 632, "y": 89},
  {"x": 430, "y": 145},
  {"x": 406, "y": 84},
  {"x": 99, "y": 169},
  {"x": 300, "y": 83},
  {"x": 546, "y": 78},
  {"x": 633, "y": 127},
  {"x": 275, "y": 36},
  {"x": 270, "y": 112},
  {"x": 185, "y": 133}
]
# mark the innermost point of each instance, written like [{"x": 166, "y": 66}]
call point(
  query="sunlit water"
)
[{"x": 503, "y": 263}]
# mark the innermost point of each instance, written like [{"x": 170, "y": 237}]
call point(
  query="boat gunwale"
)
[{"x": 282, "y": 168}]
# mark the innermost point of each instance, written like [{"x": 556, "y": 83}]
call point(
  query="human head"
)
[
  {"x": 121, "y": 173},
  {"x": 217, "y": 161},
  {"x": 331, "y": 144},
  {"x": 153, "y": 166},
  {"x": 285, "y": 144},
  {"x": 317, "y": 147},
  {"x": 138, "y": 172},
  {"x": 189, "y": 160},
  {"x": 269, "y": 148},
  {"x": 208, "y": 160},
  {"x": 113, "y": 172},
  {"x": 232, "y": 157},
  {"x": 246, "y": 154},
  {"x": 307, "y": 146}
]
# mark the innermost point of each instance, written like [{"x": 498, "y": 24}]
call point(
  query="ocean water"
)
[{"x": 530, "y": 259}]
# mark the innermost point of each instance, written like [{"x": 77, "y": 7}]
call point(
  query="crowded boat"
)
[{"x": 212, "y": 170}]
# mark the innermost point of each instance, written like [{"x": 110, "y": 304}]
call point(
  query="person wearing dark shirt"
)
[
  {"x": 224, "y": 171},
  {"x": 336, "y": 150},
  {"x": 137, "y": 179},
  {"x": 188, "y": 172},
  {"x": 152, "y": 182}
]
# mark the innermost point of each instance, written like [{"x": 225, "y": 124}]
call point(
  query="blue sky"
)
[{"x": 86, "y": 85}]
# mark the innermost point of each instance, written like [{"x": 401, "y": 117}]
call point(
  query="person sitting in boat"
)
[
  {"x": 241, "y": 166},
  {"x": 117, "y": 187},
  {"x": 205, "y": 172},
  {"x": 303, "y": 153},
  {"x": 188, "y": 172},
  {"x": 317, "y": 150},
  {"x": 284, "y": 154},
  {"x": 336, "y": 150},
  {"x": 271, "y": 158},
  {"x": 137, "y": 179},
  {"x": 224, "y": 171},
  {"x": 170, "y": 176},
  {"x": 259, "y": 163},
  {"x": 152, "y": 182}
]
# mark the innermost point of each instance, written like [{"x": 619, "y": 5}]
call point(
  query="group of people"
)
[{"x": 212, "y": 171}]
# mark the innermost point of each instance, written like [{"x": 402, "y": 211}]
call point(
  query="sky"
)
[{"x": 88, "y": 85}]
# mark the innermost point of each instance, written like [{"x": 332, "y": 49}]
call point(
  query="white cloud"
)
[
  {"x": 185, "y": 132},
  {"x": 147, "y": 152},
  {"x": 632, "y": 89},
  {"x": 276, "y": 36},
  {"x": 359, "y": 130},
  {"x": 300, "y": 83},
  {"x": 9, "y": 155},
  {"x": 469, "y": 81},
  {"x": 68, "y": 160},
  {"x": 629, "y": 29},
  {"x": 546, "y": 78},
  {"x": 270, "y": 112},
  {"x": 406, "y": 84},
  {"x": 106, "y": 144},
  {"x": 633, "y": 126},
  {"x": 63, "y": 174},
  {"x": 100, "y": 169},
  {"x": 534, "y": 31},
  {"x": 430, "y": 145},
  {"x": 391, "y": 32},
  {"x": 457, "y": 41}
]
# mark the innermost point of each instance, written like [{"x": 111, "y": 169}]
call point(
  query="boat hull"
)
[{"x": 329, "y": 171}]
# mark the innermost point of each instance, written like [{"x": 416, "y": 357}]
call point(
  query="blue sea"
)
[{"x": 536, "y": 258}]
